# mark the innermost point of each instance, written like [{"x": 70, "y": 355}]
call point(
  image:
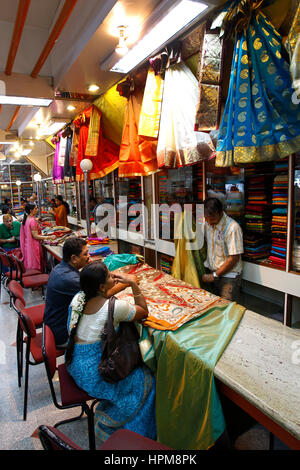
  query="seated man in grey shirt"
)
[{"x": 63, "y": 284}]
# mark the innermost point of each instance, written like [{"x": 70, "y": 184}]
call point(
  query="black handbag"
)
[{"x": 120, "y": 349}]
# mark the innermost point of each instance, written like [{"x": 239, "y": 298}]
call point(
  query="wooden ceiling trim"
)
[
  {"x": 57, "y": 28},
  {"x": 17, "y": 33},
  {"x": 14, "y": 117}
]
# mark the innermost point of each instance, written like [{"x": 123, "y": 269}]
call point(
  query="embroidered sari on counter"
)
[
  {"x": 260, "y": 121},
  {"x": 137, "y": 152},
  {"x": 178, "y": 143},
  {"x": 93, "y": 145},
  {"x": 171, "y": 302}
]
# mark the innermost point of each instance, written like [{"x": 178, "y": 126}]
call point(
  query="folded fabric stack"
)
[
  {"x": 199, "y": 181},
  {"x": 103, "y": 251},
  {"x": 279, "y": 215},
  {"x": 166, "y": 263},
  {"x": 256, "y": 247},
  {"x": 296, "y": 257},
  {"x": 257, "y": 228},
  {"x": 134, "y": 197},
  {"x": 235, "y": 204},
  {"x": 163, "y": 186},
  {"x": 297, "y": 223}
]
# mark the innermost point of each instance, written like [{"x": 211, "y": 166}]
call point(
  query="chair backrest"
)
[
  {"x": 26, "y": 321},
  {"x": 52, "y": 439},
  {"x": 18, "y": 265},
  {"x": 49, "y": 350},
  {"x": 16, "y": 291},
  {"x": 4, "y": 258}
]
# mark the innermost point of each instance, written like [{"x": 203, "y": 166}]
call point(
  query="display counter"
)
[{"x": 258, "y": 369}]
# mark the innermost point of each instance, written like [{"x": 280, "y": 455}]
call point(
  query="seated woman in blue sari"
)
[{"x": 130, "y": 403}]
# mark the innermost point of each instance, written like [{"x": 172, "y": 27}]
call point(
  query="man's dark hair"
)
[
  {"x": 93, "y": 199},
  {"x": 73, "y": 246},
  {"x": 212, "y": 206}
]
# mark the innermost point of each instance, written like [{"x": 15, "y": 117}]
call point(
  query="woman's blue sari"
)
[{"x": 261, "y": 121}]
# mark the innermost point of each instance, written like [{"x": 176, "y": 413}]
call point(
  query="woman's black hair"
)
[
  {"x": 91, "y": 276},
  {"x": 60, "y": 198},
  {"x": 28, "y": 208}
]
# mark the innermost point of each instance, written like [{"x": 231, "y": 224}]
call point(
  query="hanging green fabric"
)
[
  {"x": 117, "y": 261},
  {"x": 188, "y": 264},
  {"x": 188, "y": 409},
  {"x": 260, "y": 121}
]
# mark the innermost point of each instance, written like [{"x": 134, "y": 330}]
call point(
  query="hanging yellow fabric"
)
[
  {"x": 93, "y": 135},
  {"x": 188, "y": 265},
  {"x": 151, "y": 105}
]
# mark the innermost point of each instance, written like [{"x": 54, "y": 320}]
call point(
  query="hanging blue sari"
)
[{"x": 260, "y": 121}]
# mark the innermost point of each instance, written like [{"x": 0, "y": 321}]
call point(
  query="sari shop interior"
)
[{"x": 212, "y": 110}]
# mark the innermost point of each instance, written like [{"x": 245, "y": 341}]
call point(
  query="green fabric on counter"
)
[
  {"x": 188, "y": 409},
  {"x": 119, "y": 260}
]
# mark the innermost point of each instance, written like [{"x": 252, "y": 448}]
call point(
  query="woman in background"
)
[
  {"x": 31, "y": 238},
  {"x": 61, "y": 212}
]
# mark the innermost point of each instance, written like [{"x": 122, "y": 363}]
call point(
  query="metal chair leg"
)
[{"x": 26, "y": 379}]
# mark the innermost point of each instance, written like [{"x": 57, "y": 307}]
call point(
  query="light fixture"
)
[
  {"x": 93, "y": 88},
  {"x": 8, "y": 142},
  {"x": 26, "y": 152},
  {"x": 172, "y": 24},
  {"x": 49, "y": 128},
  {"x": 121, "y": 48},
  {"x": 86, "y": 164},
  {"x": 71, "y": 107},
  {"x": 18, "y": 183},
  {"x": 37, "y": 177},
  {"x": 24, "y": 101}
]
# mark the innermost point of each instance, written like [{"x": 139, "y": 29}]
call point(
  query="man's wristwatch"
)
[{"x": 215, "y": 275}]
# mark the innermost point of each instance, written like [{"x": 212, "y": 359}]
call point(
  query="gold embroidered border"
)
[{"x": 258, "y": 154}]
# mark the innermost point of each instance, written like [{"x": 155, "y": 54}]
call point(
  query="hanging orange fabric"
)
[
  {"x": 137, "y": 153},
  {"x": 93, "y": 145}
]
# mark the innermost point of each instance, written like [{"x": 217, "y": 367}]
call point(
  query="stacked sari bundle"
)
[
  {"x": 258, "y": 216},
  {"x": 279, "y": 216},
  {"x": 199, "y": 181},
  {"x": 297, "y": 222},
  {"x": 296, "y": 258}
]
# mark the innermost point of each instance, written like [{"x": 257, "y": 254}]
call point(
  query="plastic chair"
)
[
  {"x": 5, "y": 262},
  {"x": 36, "y": 313},
  {"x": 29, "y": 279},
  {"x": 33, "y": 342},
  {"x": 123, "y": 439},
  {"x": 71, "y": 395}
]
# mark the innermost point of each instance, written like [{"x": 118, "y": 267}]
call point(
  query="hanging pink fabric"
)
[{"x": 57, "y": 171}]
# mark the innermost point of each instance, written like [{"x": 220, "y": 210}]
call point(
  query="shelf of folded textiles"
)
[{"x": 264, "y": 262}]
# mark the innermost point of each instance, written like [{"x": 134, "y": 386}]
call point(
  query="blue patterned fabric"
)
[
  {"x": 260, "y": 121},
  {"x": 128, "y": 404}
]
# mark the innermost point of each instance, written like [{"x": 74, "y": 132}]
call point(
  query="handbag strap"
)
[{"x": 109, "y": 325}]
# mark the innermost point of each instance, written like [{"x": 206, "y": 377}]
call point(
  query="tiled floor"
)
[{"x": 16, "y": 434}]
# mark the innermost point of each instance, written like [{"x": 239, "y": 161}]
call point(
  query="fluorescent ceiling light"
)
[
  {"x": 24, "y": 101},
  {"x": 51, "y": 128},
  {"x": 26, "y": 152},
  {"x": 9, "y": 142},
  {"x": 180, "y": 16}
]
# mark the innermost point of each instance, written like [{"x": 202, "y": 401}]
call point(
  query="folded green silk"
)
[{"x": 188, "y": 409}]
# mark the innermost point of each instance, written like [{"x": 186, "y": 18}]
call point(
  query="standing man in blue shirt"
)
[{"x": 63, "y": 284}]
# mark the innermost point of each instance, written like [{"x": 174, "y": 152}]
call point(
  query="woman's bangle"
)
[{"x": 137, "y": 295}]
